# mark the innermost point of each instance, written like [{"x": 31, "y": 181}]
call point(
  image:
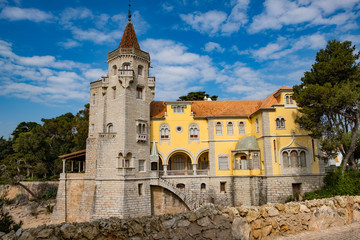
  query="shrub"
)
[
  {"x": 335, "y": 184},
  {"x": 49, "y": 208},
  {"x": 50, "y": 193},
  {"x": 7, "y": 224}
]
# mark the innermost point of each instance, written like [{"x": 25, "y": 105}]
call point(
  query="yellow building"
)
[{"x": 145, "y": 157}]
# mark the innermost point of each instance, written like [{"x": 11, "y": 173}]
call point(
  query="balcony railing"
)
[
  {"x": 151, "y": 81},
  {"x": 126, "y": 73},
  {"x": 141, "y": 138}
]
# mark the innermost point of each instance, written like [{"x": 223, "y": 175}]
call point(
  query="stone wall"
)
[
  {"x": 211, "y": 222},
  {"x": 37, "y": 188}
]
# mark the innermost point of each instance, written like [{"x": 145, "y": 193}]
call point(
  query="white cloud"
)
[
  {"x": 213, "y": 22},
  {"x": 94, "y": 74},
  {"x": 42, "y": 78},
  {"x": 280, "y": 13},
  {"x": 355, "y": 39},
  {"x": 167, "y": 7},
  {"x": 31, "y": 14},
  {"x": 212, "y": 46},
  {"x": 283, "y": 47},
  {"x": 69, "y": 43}
]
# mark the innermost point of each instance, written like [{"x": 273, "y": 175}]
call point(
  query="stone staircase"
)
[{"x": 190, "y": 203}]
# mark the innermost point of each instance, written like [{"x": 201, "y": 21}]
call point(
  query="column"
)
[
  {"x": 194, "y": 168},
  {"x": 165, "y": 169},
  {"x": 63, "y": 165}
]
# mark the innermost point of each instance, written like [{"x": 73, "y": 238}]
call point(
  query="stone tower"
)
[{"x": 118, "y": 146}]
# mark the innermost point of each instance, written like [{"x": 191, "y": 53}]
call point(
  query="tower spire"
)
[{"x": 129, "y": 13}]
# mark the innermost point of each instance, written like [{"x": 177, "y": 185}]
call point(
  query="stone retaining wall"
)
[
  {"x": 211, "y": 222},
  {"x": 36, "y": 187}
]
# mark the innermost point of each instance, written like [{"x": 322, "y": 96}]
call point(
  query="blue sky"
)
[{"x": 237, "y": 49}]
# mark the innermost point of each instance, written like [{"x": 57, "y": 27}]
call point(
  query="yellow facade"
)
[{"x": 283, "y": 147}]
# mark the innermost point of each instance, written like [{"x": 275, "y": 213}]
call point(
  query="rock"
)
[
  {"x": 265, "y": 231},
  {"x": 192, "y": 217},
  {"x": 272, "y": 212},
  {"x": 10, "y": 236},
  {"x": 135, "y": 229},
  {"x": 304, "y": 208},
  {"x": 252, "y": 215},
  {"x": 280, "y": 207},
  {"x": 169, "y": 223},
  {"x": 256, "y": 234},
  {"x": 204, "y": 222},
  {"x": 256, "y": 224},
  {"x": 26, "y": 236},
  {"x": 243, "y": 211},
  {"x": 45, "y": 233},
  {"x": 2, "y": 234},
  {"x": 90, "y": 232},
  {"x": 356, "y": 199},
  {"x": 221, "y": 222},
  {"x": 240, "y": 229},
  {"x": 274, "y": 223},
  {"x": 193, "y": 230},
  {"x": 263, "y": 212},
  {"x": 232, "y": 212},
  {"x": 284, "y": 228},
  {"x": 340, "y": 201},
  {"x": 68, "y": 231},
  {"x": 18, "y": 232},
  {"x": 356, "y": 216},
  {"x": 210, "y": 234},
  {"x": 183, "y": 223},
  {"x": 325, "y": 217},
  {"x": 292, "y": 208}
]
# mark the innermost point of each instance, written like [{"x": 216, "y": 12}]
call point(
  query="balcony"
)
[
  {"x": 151, "y": 82},
  {"x": 126, "y": 73},
  {"x": 141, "y": 138},
  {"x": 126, "y": 77},
  {"x": 107, "y": 135}
]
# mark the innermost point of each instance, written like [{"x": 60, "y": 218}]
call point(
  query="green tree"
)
[
  {"x": 197, "y": 96},
  {"x": 23, "y": 127},
  {"x": 5, "y": 148},
  {"x": 329, "y": 100},
  {"x": 81, "y": 128}
]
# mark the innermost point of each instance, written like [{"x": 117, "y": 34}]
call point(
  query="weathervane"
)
[{"x": 129, "y": 15}]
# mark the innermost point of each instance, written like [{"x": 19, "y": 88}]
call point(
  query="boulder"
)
[
  {"x": 68, "y": 231},
  {"x": 183, "y": 223},
  {"x": 169, "y": 223},
  {"x": 204, "y": 222},
  {"x": 252, "y": 215},
  {"x": 304, "y": 208},
  {"x": 292, "y": 208},
  {"x": 265, "y": 231},
  {"x": 240, "y": 229},
  {"x": 90, "y": 232},
  {"x": 280, "y": 207},
  {"x": 26, "y": 236},
  {"x": 45, "y": 233},
  {"x": 272, "y": 212}
]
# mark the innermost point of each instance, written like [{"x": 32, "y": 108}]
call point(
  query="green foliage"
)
[
  {"x": 196, "y": 96},
  {"x": 50, "y": 193},
  {"x": 49, "y": 208},
  {"x": 7, "y": 224},
  {"x": 5, "y": 148},
  {"x": 335, "y": 185},
  {"x": 23, "y": 127},
  {"x": 329, "y": 98}
]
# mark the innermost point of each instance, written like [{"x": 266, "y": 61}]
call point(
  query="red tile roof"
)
[
  {"x": 129, "y": 39},
  {"x": 221, "y": 108}
]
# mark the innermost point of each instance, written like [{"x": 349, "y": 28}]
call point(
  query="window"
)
[
  {"x": 164, "y": 131},
  {"x": 114, "y": 69},
  {"x": 141, "y": 128},
  {"x": 222, "y": 187},
  {"x": 280, "y": 123},
  {"x": 218, "y": 128},
  {"x": 223, "y": 162},
  {"x": 243, "y": 163},
  {"x": 178, "y": 109},
  {"x": 230, "y": 128},
  {"x": 140, "y": 189},
  {"x": 94, "y": 99},
  {"x": 154, "y": 166},
  {"x": 92, "y": 127},
  {"x": 126, "y": 66},
  {"x": 241, "y": 128},
  {"x": 140, "y": 70},
  {"x": 114, "y": 92},
  {"x": 193, "y": 131},
  {"x": 203, "y": 186},
  {"x": 294, "y": 158},
  {"x": 139, "y": 92},
  {"x": 141, "y": 165},
  {"x": 110, "y": 128},
  {"x": 256, "y": 161},
  {"x": 257, "y": 125},
  {"x": 180, "y": 186},
  {"x": 289, "y": 100}
]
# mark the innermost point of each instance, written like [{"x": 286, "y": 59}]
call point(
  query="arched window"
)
[
  {"x": 110, "y": 128},
  {"x": 218, "y": 128},
  {"x": 285, "y": 156},
  {"x": 241, "y": 128},
  {"x": 126, "y": 66},
  {"x": 164, "y": 132},
  {"x": 230, "y": 128},
  {"x": 203, "y": 186},
  {"x": 140, "y": 70},
  {"x": 280, "y": 123},
  {"x": 289, "y": 100},
  {"x": 294, "y": 158},
  {"x": 193, "y": 131},
  {"x": 302, "y": 159},
  {"x": 114, "y": 69},
  {"x": 257, "y": 125}
]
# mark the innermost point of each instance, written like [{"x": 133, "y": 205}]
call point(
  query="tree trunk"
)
[
  {"x": 352, "y": 146},
  {"x": 28, "y": 190}
]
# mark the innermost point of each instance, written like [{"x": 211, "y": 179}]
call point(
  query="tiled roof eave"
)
[
  {"x": 224, "y": 116},
  {"x": 263, "y": 109}
]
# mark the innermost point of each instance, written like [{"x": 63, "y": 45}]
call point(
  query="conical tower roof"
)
[{"x": 129, "y": 39}]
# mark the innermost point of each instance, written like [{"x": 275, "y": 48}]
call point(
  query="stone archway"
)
[
  {"x": 180, "y": 163},
  {"x": 163, "y": 201},
  {"x": 203, "y": 165}
]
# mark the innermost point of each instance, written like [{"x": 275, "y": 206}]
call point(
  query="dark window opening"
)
[{"x": 222, "y": 187}]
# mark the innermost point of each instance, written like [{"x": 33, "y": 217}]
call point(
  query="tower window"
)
[
  {"x": 139, "y": 92},
  {"x": 110, "y": 128},
  {"x": 289, "y": 99},
  {"x": 223, "y": 187},
  {"x": 126, "y": 66},
  {"x": 114, "y": 69},
  {"x": 140, "y": 70},
  {"x": 140, "y": 189},
  {"x": 141, "y": 165}
]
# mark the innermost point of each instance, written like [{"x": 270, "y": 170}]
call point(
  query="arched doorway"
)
[
  {"x": 203, "y": 164},
  {"x": 180, "y": 164}
]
